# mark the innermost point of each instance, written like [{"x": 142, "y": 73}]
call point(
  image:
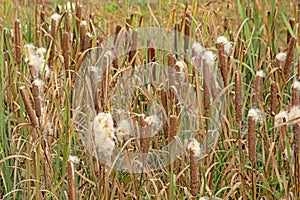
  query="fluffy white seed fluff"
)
[
  {"x": 41, "y": 52},
  {"x": 294, "y": 115},
  {"x": 260, "y": 73},
  {"x": 255, "y": 113},
  {"x": 209, "y": 58},
  {"x": 227, "y": 45},
  {"x": 73, "y": 159},
  {"x": 281, "y": 56},
  {"x": 155, "y": 123},
  {"x": 124, "y": 130},
  {"x": 181, "y": 65},
  {"x": 296, "y": 85},
  {"x": 56, "y": 17},
  {"x": 279, "y": 118},
  {"x": 222, "y": 40},
  {"x": 38, "y": 82},
  {"x": 197, "y": 49},
  {"x": 103, "y": 128},
  {"x": 84, "y": 23},
  {"x": 194, "y": 147}
]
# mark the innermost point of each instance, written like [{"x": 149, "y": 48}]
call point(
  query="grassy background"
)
[{"x": 34, "y": 160}]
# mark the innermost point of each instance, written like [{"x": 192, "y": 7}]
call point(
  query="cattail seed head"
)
[
  {"x": 28, "y": 107},
  {"x": 238, "y": 97},
  {"x": 197, "y": 50},
  {"x": 252, "y": 115},
  {"x": 124, "y": 130},
  {"x": 103, "y": 128},
  {"x": 289, "y": 58},
  {"x": 227, "y": 45},
  {"x": 195, "y": 153},
  {"x": 273, "y": 98}
]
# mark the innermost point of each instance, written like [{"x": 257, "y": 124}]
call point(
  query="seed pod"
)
[
  {"x": 238, "y": 97},
  {"x": 273, "y": 98},
  {"x": 289, "y": 58},
  {"x": 28, "y": 107}
]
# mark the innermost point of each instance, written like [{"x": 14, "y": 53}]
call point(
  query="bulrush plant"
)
[{"x": 45, "y": 45}]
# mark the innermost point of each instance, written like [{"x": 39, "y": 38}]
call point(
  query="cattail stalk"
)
[
  {"x": 87, "y": 41},
  {"x": 36, "y": 98},
  {"x": 289, "y": 58},
  {"x": 43, "y": 26},
  {"x": 82, "y": 31},
  {"x": 78, "y": 13},
  {"x": 257, "y": 88},
  {"x": 292, "y": 24},
  {"x": 295, "y": 95},
  {"x": 133, "y": 50},
  {"x": 52, "y": 33},
  {"x": 28, "y": 107},
  {"x": 273, "y": 98},
  {"x": 238, "y": 97},
  {"x": 151, "y": 59},
  {"x": 194, "y": 148},
  {"x": 296, "y": 132},
  {"x": 173, "y": 127},
  {"x": 238, "y": 117},
  {"x": 222, "y": 62},
  {"x": 145, "y": 133},
  {"x": 116, "y": 44},
  {"x": 66, "y": 49},
  {"x": 164, "y": 101},
  {"x": 187, "y": 27},
  {"x": 17, "y": 41},
  {"x": 71, "y": 180},
  {"x": 252, "y": 149}
]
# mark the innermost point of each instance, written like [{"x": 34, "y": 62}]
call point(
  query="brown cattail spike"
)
[
  {"x": 36, "y": 97},
  {"x": 71, "y": 177},
  {"x": 195, "y": 152},
  {"x": 82, "y": 31},
  {"x": 238, "y": 97},
  {"x": 145, "y": 133},
  {"x": 66, "y": 50},
  {"x": 289, "y": 58},
  {"x": 28, "y": 107},
  {"x": 257, "y": 87},
  {"x": 173, "y": 127},
  {"x": 17, "y": 42},
  {"x": 273, "y": 98},
  {"x": 295, "y": 93}
]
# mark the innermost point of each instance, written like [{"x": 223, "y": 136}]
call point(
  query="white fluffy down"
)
[
  {"x": 104, "y": 133},
  {"x": 194, "y": 147},
  {"x": 279, "y": 118},
  {"x": 124, "y": 129},
  {"x": 294, "y": 115}
]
